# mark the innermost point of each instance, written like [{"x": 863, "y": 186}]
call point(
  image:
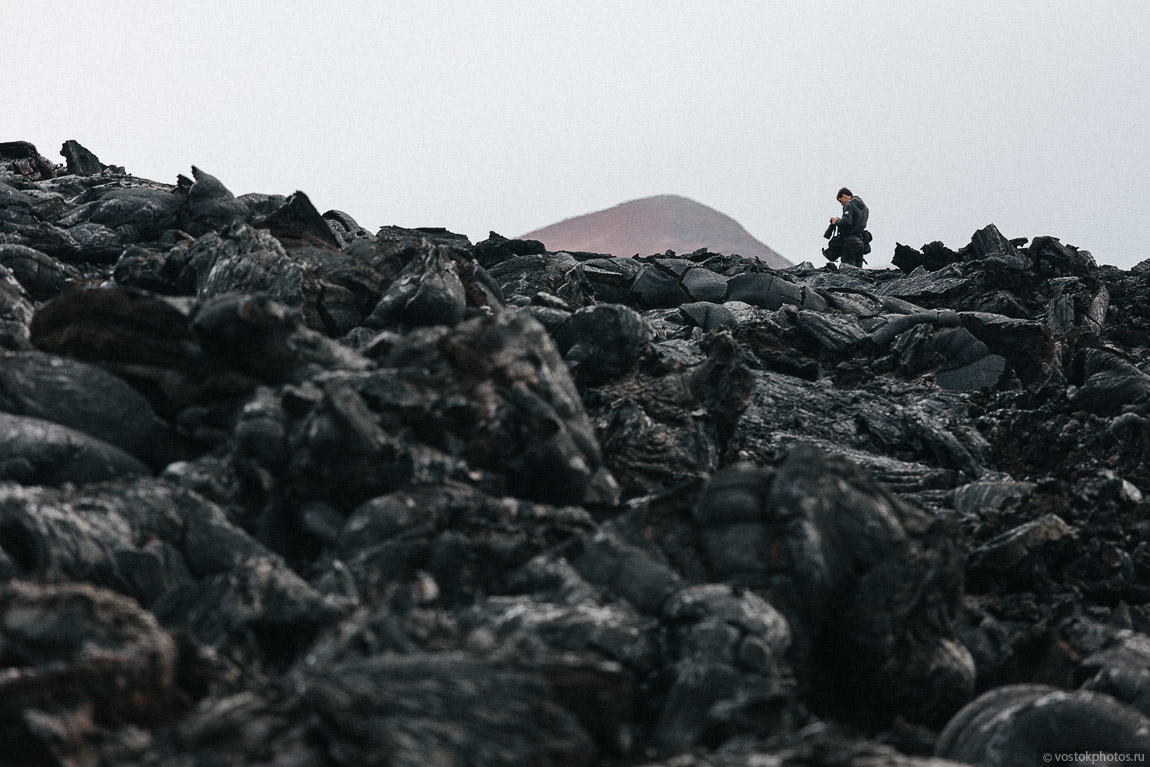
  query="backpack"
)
[{"x": 866, "y": 238}]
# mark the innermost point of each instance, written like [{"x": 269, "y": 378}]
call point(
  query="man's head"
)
[{"x": 844, "y": 195}]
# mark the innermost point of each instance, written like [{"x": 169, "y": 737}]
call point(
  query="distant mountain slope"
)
[{"x": 654, "y": 225}]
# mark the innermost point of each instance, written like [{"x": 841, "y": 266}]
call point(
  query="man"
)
[{"x": 851, "y": 240}]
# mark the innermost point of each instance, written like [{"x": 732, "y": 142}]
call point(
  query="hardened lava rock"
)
[
  {"x": 276, "y": 488},
  {"x": 870, "y": 585},
  {"x": 1030, "y": 724}
]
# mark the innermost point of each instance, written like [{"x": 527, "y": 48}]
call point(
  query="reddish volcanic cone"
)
[{"x": 655, "y": 225}]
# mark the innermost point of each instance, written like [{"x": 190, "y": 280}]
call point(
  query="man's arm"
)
[{"x": 844, "y": 223}]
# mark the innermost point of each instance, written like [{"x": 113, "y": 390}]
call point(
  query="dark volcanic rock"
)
[
  {"x": 246, "y": 260},
  {"x": 85, "y": 398},
  {"x": 856, "y": 572},
  {"x": 514, "y": 408},
  {"x": 37, "y": 452},
  {"x": 118, "y": 326},
  {"x": 22, "y": 159},
  {"x": 602, "y": 342},
  {"x": 80, "y": 161},
  {"x": 275, "y": 489},
  {"x": 77, "y": 659},
  {"x": 40, "y": 275},
  {"x": 115, "y": 213},
  {"x": 1022, "y": 724},
  {"x": 297, "y": 219},
  {"x": 497, "y": 248},
  {"x": 140, "y": 537},
  {"x": 210, "y": 203},
  {"x": 407, "y": 712},
  {"x": 15, "y": 312},
  {"x": 428, "y": 292}
]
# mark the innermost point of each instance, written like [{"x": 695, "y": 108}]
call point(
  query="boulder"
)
[
  {"x": 600, "y": 343},
  {"x": 1030, "y": 725},
  {"x": 78, "y": 660},
  {"x": 841, "y": 559},
  {"x": 80, "y": 161},
  {"x": 211, "y": 204}
]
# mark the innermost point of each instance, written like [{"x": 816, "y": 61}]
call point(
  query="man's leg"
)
[{"x": 852, "y": 251}]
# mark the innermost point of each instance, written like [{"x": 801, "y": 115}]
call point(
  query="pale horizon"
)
[{"x": 512, "y": 116}]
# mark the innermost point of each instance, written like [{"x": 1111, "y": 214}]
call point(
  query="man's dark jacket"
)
[{"x": 854, "y": 218}]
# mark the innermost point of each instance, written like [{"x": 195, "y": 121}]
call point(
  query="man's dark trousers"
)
[{"x": 851, "y": 251}]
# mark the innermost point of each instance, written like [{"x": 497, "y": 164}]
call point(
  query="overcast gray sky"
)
[{"x": 508, "y": 116}]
